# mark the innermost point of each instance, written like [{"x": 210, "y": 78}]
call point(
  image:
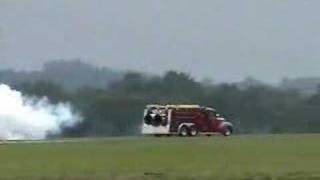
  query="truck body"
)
[{"x": 183, "y": 120}]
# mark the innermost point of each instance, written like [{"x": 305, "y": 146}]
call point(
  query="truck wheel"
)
[
  {"x": 228, "y": 131},
  {"x": 184, "y": 131},
  {"x": 193, "y": 131}
]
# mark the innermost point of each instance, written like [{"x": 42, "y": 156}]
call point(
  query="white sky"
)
[{"x": 221, "y": 39}]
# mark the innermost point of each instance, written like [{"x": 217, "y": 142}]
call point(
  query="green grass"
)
[{"x": 239, "y": 157}]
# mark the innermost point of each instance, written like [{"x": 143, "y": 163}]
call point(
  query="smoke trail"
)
[{"x": 23, "y": 117}]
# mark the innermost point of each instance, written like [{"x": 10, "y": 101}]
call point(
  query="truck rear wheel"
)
[
  {"x": 184, "y": 131},
  {"x": 193, "y": 131}
]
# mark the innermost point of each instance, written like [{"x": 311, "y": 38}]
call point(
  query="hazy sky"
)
[{"x": 222, "y": 39}]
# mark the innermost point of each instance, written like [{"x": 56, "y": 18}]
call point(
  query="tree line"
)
[{"x": 117, "y": 109}]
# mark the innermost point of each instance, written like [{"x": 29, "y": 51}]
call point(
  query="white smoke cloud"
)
[{"x": 23, "y": 117}]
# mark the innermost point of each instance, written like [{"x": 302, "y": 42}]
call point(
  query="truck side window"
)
[{"x": 211, "y": 114}]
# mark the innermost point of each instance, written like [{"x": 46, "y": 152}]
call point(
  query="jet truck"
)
[{"x": 184, "y": 120}]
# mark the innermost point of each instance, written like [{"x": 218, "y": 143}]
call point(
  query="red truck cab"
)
[{"x": 184, "y": 120}]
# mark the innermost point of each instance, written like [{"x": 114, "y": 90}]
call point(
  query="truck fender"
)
[
  {"x": 226, "y": 124},
  {"x": 185, "y": 124}
]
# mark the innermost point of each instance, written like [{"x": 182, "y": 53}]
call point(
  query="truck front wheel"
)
[{"x": 227, "y": 131}]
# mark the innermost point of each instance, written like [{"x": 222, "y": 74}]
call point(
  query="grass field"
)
[{"x": 280, "y": 157}]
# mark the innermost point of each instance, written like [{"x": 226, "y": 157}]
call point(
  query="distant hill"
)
[
  {"x": 74, "y": 74},
  {"x": 306, "y": 86},
  {"x": 249, "y": 82},
  {"x": 71, "y": 75}
]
